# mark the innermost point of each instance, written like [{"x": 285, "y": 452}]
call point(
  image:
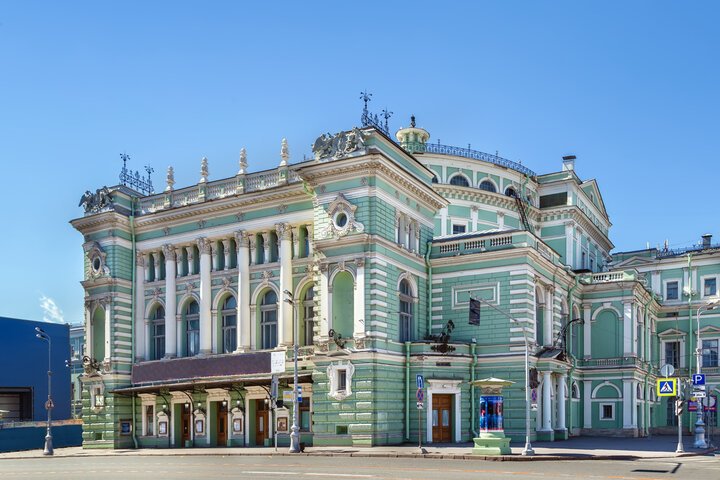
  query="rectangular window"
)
[
  {"x": 710, "y": 353},
  {"x": 458, "y": 229},
  {"x": 17, "y": 403},
  {"x": 607, "y": 411},
  {"x": 149, "y": 420},
  {"x": 305, "y": 414},
  {"x": 342, "y": 380},
  {"x": 710, "y": 287},
  {"x": 672, "y": 353},
  {"x": 672, "y": 290}
]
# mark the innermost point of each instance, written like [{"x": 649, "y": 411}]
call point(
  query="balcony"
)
[
  {"x": 481, "y": 242},
  {"x": 609, "y": 277}
]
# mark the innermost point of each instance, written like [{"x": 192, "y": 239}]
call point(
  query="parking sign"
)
[{"x": 698, "y": 379}]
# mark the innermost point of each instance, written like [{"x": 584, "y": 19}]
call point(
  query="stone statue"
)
[
  {"x": 96, "y": 202},
  {"x": 284, "y": 152},
  {"x": 170, "y": 179},
  {"x": 204, "y": 170},
  {"x": 339, "y": 145},
  {"x": 243, "y": 162}
]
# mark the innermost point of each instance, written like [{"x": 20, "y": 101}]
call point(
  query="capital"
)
[
  {"x": 283, "y": 231},
  {"x": 169, "y": 252},
  {"x": 139, "y": 259},
  {"x": 203, "y": 245},
  {"x": 242, "y": 239}
]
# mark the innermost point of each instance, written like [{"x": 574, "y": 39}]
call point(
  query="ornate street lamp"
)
[
  {"x": 294, "y": 433},
  {"x": 49, "y": 404},
  {"x": 700, "y": 424}
]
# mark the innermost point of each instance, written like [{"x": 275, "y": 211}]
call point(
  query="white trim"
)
[
  {"x": 664, "y": 290},
  {"x": 681, "y": 340},
  {"x": 452, "y": 387},
  {"x": 600, "y": 411},
  {"x": 702, "y": 285},
  {"x": 606, "y": 384}
]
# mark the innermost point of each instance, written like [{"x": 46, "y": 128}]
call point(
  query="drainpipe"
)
[
  {"x": 429, "y": 288},
  {"x": 407, "y": 391},
  {"x": 572, "y": 359},
  {"x": 647, "y": 348},
  {"x": 473, "y": 363},
  {"x": 132, "y": 312}
]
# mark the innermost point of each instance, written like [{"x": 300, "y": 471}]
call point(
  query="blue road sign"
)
[
  {"x": 667, "y": 387},
  {"x": 299, "y": 393},
  {"x": 698, "y": 379},
  {"x": 420, "y": 395},
  {"x": 419, "y": 381}
]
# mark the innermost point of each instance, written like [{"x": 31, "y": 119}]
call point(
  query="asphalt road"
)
[{"x": 223, "y": 467}]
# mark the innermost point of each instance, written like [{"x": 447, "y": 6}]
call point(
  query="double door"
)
[{"x": 442, "y": 418}]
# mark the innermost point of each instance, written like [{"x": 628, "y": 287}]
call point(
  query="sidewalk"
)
[{"x": 578, "y": 448}]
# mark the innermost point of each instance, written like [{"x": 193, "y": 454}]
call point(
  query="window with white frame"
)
[
  {"x": 229, "y": 325},
  {"x": 340, "y": 377},
  {"x": 406, "y": 312},
  {"x": 672, "y": 290},
  {"x": 671, "y": 353},
  {"x": 268, "y": 320},
  {"x": 149, "y": 420},
  {"x": 459, "y": 180},
  {"x": 709, "y": 286},
  {"x": 607, "y": 411},
  {"x": 710, "y": 353},
  {"x": 458, "y": 228}
]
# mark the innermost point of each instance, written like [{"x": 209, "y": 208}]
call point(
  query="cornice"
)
[
  {"x": 100, "y": 221},
  {"x": 583, "y": 220}
]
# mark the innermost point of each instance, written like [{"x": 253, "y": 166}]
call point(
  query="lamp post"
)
[
  {"x": 49, "y": 404},
  {"x": 528, "y": 450},
  {"x": 294, "y": 433},
  {"x": 700, "y": 424}
]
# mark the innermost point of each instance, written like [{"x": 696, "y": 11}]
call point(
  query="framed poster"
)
[
  {"x": 199, "y": 426},
  {"x": 282, "y": 424},
  {"x": 162, "y": 428},
  {"x": 237, "y": 425},
  {"x": 125, "y": 427}
]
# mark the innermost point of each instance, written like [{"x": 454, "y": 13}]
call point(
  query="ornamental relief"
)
[{"x": 342, "y": 218}]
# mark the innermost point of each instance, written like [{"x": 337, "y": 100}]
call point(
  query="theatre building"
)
[{"x": 375, "y": 248}]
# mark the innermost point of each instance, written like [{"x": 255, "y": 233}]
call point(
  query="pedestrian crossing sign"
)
[{"x": 667, "y": 387}]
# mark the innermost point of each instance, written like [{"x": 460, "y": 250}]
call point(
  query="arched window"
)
[
  {"x": 229, "y": 325},
  {"x": 98, "y": 334},
  {"x": 406, "y": 312},
  {"x": 268, "y": 320},
  {"x": 308, "y": 306},
  {"x": 304, "y": 235},
  {"x": 260, "y": 250},
  {"x": 343, "y": 304},
  {"x": 434, "y": 179},
  {"x": 460, "y": 181},
  {"x": 157, "y": 331},
  {"x": 488, "y": 186},
  {"x": 575, "y": 391},
  {"x": 273, "y": 247},
  {"x": 511, "y": 192},
  {"x": 192, "y": 329}
]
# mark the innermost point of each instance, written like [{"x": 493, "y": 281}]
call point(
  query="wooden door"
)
[
  {"x": 222, "y": 425},
  {"x": 261, "y": 423},
  {"x": 186, "y": 424},
  {"x": 441, "y": 418}
]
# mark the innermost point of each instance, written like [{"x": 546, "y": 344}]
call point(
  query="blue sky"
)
[{"x": 628, "y": 87}]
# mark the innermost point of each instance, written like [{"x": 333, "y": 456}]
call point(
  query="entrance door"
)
[
  {"x": 222, "y": 425},
  {"x": 185, "y": 424},
  {"x": 261, "y": 422},
  {"x": 441, "y": 418}
]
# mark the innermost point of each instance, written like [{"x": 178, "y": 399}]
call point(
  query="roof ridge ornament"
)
[
  {"x": 284, "y": 152},
  {"x": 170, "y": 179},
  {"x": 204, "y": 170},
  {"x": 243, "y": 162}
]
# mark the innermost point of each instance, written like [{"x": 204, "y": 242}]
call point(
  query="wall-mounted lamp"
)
[{"x": 224, "y": 403}]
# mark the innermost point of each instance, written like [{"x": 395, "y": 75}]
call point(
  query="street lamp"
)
[
  {"x": 49, "y": 404},
  {"x": 700, "y": 424},
  {"x": 528, "y": 450},
  {"x": 294, "y": 434}
]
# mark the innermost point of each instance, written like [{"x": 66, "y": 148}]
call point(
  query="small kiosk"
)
[{"x": 492, "y": 440}]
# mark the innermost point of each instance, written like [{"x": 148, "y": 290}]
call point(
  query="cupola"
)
[{"x": 413, "y": 139}]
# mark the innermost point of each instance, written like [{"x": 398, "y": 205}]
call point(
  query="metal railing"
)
[{"x": 664, "y": 253}]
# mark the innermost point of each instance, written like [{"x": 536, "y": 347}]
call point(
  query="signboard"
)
[
  {"x": 698, "y": 379},
  {"x": 667, "y": 387},
  {"x": 299, "y": 393},
  {"x": 420, "y": 405},
  {"x": 420, "y": 382},
  {"x": 699, "y": 394},
  {"x": 277, "y": 362},
  {"x": 667, "y": 370},
  {"x": 709, "y": 404},
  {"x": 287, "y": 396},
  {"x": 420, "y": 396}
]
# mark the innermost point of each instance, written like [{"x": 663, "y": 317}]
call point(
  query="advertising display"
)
[{"x": 491, "y": 413}]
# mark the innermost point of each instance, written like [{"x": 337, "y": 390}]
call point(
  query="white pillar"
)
[
  {"x": 146, "y": 261},
  {"x": 266, "y": 247},
  {"x": 156, "y": 258},
  {"x": 296, "y": 242},
  {"x": 170, "y": 301},
  {"x": 243, "y": 316},
  {"x": 560, "y": 399},
  {"x": 191, "y": 259},
  {"x": 548, "y": 317},
  {"x": 628, "y": 333},
  {"x": 569, "y": 244},
  {"x": 359, "y": 300},
  {"x": 546, "y": 399},
  {"x": 108, "y": 333},
  {"x": 285, "y": 329},
  {"x": 443, "y": 221},
  {"x": 141, "y": 353},
  {"x": 311, "y": 243},
  {"x": 587, "y": 404},
  {"x": 178, "y": 263},
  {"x": 252, "y": 242},
  {"x": 500, "y": 219},
  {"x": 88, "y": 329},
  {"x": 324, "y": 301},
  {"x": 205, "y": 297},
  {"x": 627, "y": 403},
  {"x": 215, "y": 255},
  {"x": 587, "y": 332},
  {"x": 655, "y": 282},
  {"x": 226, "y": 251}
]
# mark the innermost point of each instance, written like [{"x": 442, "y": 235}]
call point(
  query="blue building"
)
[{"x": 24, "y": 380}]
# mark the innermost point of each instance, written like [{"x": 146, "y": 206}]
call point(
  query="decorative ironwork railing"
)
[
  {"x": 664, "y": 253},
  {"x": 606, "y": 277},
  {"x": 468, "y": 153}
]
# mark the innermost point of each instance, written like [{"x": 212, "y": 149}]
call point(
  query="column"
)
[
  {"x": 500, "y": 219},
  {"x": 156, "y": 258},
  {"x": 295, "y": 242},
  {"x": 578, "y": 246},
  {"x": 655, "y": 282},
  {"x": 569, "y": 244},
  {"x": 285, "y": 329},
  {"x": 170, "y": 301},
  {"x": 628, "y": 334},
  {"x": 311, "y": 243},
  {"x": 627, "y": 403},
  {"x": 560, "y": 397},
  {"x": 324, "y": 301},
  {"x": 205, "y": 297},
  {"x": 88, "y": 329},
  {"x": 546, "y": 396},
  {"x": 548, "y": 317},
  {"x": 587, "y": 332},
  {"x": 226, "y": 251},
  {"x": 191, "y": 259},
  {"x": 252, "y": 242},
  {"x": 107, "y": 305},
  {"x": 146, "y": 261},
  {"x": 244, "y": 320},
  {"x": 587, "y": 404},
  {"x": 266, "y": 248},
  {"x": 141, "y": 352},
  {"x": 215, "y": 255},
  {"x": 359, "y": 300},
  {"x": 443, "y": 221},
  {"x": 178, "y": 263}
]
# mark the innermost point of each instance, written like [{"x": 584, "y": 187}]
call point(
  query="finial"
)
[
  {"x": 170, "y": 179},
  {"x": 243, "y": 162},
  {"x": 412, "y": 121},
  {"x": 204, "y": 170},
  {"x": 284, "y": 153}
]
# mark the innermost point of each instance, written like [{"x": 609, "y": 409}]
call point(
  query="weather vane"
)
[{"x": 133, "y": 180}]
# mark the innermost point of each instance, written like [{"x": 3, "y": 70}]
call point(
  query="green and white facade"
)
[{"x": 382, "y": 242}]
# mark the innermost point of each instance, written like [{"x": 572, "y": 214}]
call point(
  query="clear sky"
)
[{"x": 631, "y": 88}]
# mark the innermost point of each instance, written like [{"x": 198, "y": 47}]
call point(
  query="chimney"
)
[
  {"x": 568, "y": 163},
  {"x": 707, "y": 240}
]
